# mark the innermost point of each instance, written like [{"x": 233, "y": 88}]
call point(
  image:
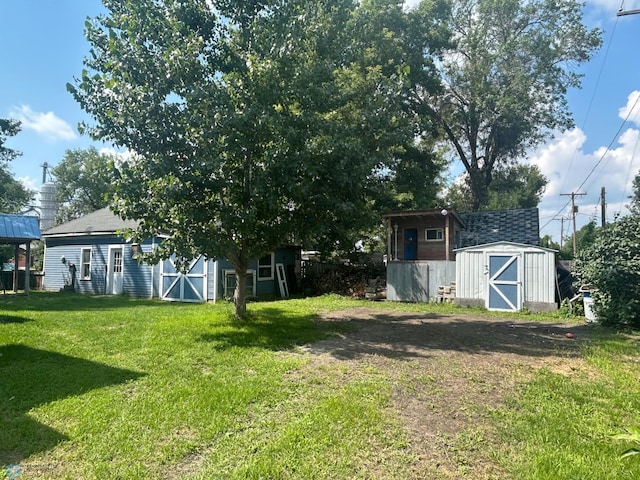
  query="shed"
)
[
  {"x": 18, "y": 230},
  {"x": 506, "y": 276},
  {"x": 89, "y": 255}
]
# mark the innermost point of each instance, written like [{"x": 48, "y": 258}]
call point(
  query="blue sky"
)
[{"x": 42, "y": 47}]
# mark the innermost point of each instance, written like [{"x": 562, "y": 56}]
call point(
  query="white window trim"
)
[
  {"x": 82, "y": 263},
  {"x": 439, "y": 235},
  {"x": 272, "y": 276},
  {"x": 225, "y": 287}
]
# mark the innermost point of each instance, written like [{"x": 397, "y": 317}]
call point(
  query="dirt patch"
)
[{"x": 449, "y": 372}]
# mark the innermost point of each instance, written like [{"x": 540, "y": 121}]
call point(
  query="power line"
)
[
  {"x": 626, "y": 181},
  {"x": 593, "y": 95},
  {"x": 612, "y": 141},
  {"x": 600, "y": 160}
]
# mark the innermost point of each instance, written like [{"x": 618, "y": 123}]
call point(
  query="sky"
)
[{"x": 42, "y": 47}]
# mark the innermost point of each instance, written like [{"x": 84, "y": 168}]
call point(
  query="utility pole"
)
[
  {"x": 574, "y": 210},
  {"x": 603, "y": 208}
]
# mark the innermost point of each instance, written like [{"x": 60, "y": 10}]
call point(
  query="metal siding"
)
[
  {"x": 538, "y": 275},
  {"x": 408, "y": 281},
  {"x": 19, "y": 228},
  {"x": 477, "y": 275},
  {"x": 441, "y": 273},
  {"x": 470, "y": 275},
  {"x": 532, "y": 266}
]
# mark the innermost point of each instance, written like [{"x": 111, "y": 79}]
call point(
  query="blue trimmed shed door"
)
[
  {"x": 504, "y": 282},
  {"x": 190, "y": 286}
]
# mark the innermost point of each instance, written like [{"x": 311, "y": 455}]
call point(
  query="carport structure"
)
[{"x": 19, "y": 230}]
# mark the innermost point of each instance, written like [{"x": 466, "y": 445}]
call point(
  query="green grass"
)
[
  {"x": 561, "y": 425},
  {"x": 110, "y": 387},
  {"x": 118, "y": 388}
]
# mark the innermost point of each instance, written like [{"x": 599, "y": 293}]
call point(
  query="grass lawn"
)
[{"x": 110, "y": 387}]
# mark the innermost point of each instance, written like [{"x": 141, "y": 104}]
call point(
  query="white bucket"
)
[{"x": 589, "y": 313}]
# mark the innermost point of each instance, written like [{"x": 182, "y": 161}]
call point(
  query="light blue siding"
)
[
  {"x": 139, "y": 280},
  {"x": 142, "y": 280}
]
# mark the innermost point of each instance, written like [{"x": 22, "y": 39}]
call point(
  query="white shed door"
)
[
  {"x": 190, "y": 286},
  {"x": 504, "y": 282}
]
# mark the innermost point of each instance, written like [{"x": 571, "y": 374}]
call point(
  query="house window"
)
[
  {"x": 85, "y": 263},
  {"x": 434, "y": 234},
  {"x": 229, "y": 280},
  {"x": 265, "y": 267},
  {"x": 117, "y": 261}
]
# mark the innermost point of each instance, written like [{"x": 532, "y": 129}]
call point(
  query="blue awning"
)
[{"x": 18, "y": 228}]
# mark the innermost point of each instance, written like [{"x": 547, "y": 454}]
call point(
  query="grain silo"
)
[{"x": 48, "y": 202}]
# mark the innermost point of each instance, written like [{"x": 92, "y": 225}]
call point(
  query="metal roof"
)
[
  {"x": 18, "y": 228},
  {"x": 100, "y": 222}
]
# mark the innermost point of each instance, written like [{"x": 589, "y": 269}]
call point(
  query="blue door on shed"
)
[
  {"x": 504, "y": 282},
  {"x": 184, "y": 286},
  {"x": 410, "y": 243}
]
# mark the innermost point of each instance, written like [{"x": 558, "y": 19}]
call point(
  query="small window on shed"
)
[
  {"x": 265, "y": 267},
  {"x": 434, "y": 234},
  {"x": 85, "y": 263},
  {"x": 229, "y": 285}
]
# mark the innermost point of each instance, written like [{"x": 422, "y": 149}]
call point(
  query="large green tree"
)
[
  {"x": 83, "y": 182},
  {"x": 253, "y": 123},
  {"x": 8, "y": 128},
  {"x": 513, "y": 187},
  {"x": 505, "y": 81},
  {"x": 13, "y": 194},
  {"x": 586, "y": 236}
]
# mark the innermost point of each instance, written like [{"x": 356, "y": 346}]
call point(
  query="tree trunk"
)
[
  {"x": 240, "y": 295},
  {"x": 479, "y": 189}
]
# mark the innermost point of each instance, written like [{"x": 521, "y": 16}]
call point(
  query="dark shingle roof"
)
[
  {"x": 519, "y": 226},
  {"x": 100, "y": 222},
  {"x": 18, "y": 228}
]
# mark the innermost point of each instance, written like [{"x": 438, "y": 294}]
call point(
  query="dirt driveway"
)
[{"x": 448, "y": 372}]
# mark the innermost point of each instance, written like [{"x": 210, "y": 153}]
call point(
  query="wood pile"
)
[{"x": 347, "y": 280}]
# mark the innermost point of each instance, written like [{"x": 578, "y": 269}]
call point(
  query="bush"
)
[{"x": 612, "y": 266}]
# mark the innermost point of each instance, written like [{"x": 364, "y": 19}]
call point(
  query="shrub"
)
[{"x": 612, "y": 266}]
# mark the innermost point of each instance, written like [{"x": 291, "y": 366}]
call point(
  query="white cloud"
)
[
  {"x": 632, "y": 108},
  {"x": 559, "y": 156},
  {"x": 408, "y": 4},
  {"x": 46, "y": 124},
  {"x": 29, "y": 183},
  {"x": 570, "y": 169},
  {"x": 118, "y": 155}
]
